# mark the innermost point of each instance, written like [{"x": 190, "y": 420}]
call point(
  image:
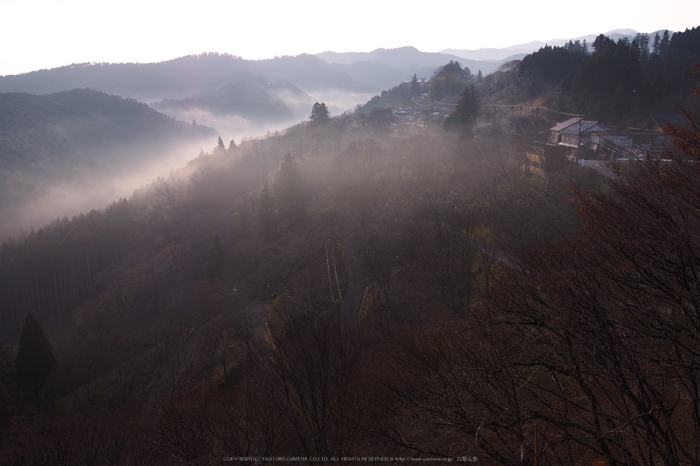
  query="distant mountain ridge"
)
[
  {"x": 72, "y": 137},
  {"x": 256, "y": 100},
  {"x": 182, "y": 77},
  {"x": 257, "y": 94},
  {"x": 385, "y": 68},
  {"x": 524, "y": 49},
  {"x": 189, "y": 76},
  {"x": 352, "y": 72},
  {"x": 39, "y": 129},
  {"x": 401, "y": 56}
]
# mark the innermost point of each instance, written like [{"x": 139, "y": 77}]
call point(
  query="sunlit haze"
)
[{"x": 39, "y": 34}]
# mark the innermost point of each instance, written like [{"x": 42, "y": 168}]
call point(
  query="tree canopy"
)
[
  {"x": 320, "y": 116},
  {"x": 463, "y": 118},
  {"x": 449, "y": 80},
  {"x": 35, "y": 359},
  {"x": 549, "y": 66}
]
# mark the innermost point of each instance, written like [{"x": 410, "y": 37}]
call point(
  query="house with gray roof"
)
[{"x": 619, "y": 143}]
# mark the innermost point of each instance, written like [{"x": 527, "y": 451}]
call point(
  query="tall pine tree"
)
[
  {"x": 463, "y": 119},
  {"x": 220, "y": 146},
  {"x": 8, "y": 400},
  {"x": 320, "y": 116},
  {"x": 35, "y": 359}
]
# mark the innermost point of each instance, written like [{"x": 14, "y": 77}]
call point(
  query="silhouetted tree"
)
[
  {"x": 656, "y": 48},
  {"x": 549, "y": 66},
  {"x": 8, "y": 401},
  {"x": 664, "y": 45},
  {"x": 605, "y": 85},
  {"x": 415, "y": 86},
  {"x": 320, "y": 116},
  {"x": 35, "y": 359},
  {"x": 642, "y": 41},
  {"x": 603, "y": 42},
  {"x": 463, "y": 118}
]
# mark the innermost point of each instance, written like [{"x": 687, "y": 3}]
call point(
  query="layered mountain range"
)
[
  {"x": 73, "y": 138},
  {"x": 66, "y": 124}
]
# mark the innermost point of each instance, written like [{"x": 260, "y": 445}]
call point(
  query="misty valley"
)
[{"x": 355, "y": 257}]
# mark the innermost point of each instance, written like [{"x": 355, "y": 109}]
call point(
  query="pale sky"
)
[{"x": 36, "y": 34}]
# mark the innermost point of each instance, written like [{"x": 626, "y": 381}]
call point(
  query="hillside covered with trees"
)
[
  {"x": 141, "y": 289},
  {"x": 621, "y": 82},
  {"x": 77, "y": 137},
  {"x": 344, "y": 288}
]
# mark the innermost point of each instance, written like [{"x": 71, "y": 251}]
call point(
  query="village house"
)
[
  {"x": 655, "y": 138},
  {"x": 604, "y": 141},
  {"x": 571, "y": 134}
]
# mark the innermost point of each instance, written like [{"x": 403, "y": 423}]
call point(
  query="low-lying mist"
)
[
  {"x": 46, "y": 201},
  {"x": 340, "y": 101},
  {"x": 236, "y": 126},
  {"x": 30, "y": 202},
  {"x": 232, "y": 126}
]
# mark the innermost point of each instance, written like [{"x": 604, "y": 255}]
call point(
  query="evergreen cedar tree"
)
[
  {"x": 220, "y": 146},
  {"x": 463, "y": 118},
  {"x": 215, "y": 263},
  {"x": 35, "y": 359},
  {"x": 621, "y": 82},
  {"x": 8, "y": 402},
  {"x": 415, "y": 87},
  {"x": 320, "y": 116}
]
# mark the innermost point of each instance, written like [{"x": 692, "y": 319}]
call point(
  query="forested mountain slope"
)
[
  {"x": 238, "y": 97},
  {"x": 76, "y": 136},
  {"x": 383, "y": 68},
  {"x": 345, "y": 288},
  {"x": 291, "y": 253},
  {"x": 618, "y": 83}
]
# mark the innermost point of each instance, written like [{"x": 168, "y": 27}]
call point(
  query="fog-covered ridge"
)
[{"x": 75, "y": 139}]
